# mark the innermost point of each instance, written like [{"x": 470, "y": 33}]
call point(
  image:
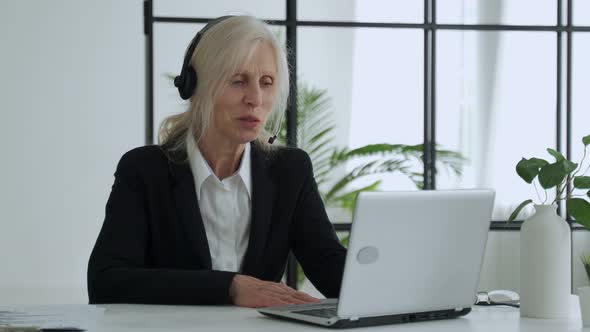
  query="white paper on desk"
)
[{"x": 40, "y": 317}]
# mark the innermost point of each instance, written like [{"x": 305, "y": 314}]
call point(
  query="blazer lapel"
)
[
  {"x": 263, "y": 197},
  {"x": 187, "y": 206}
]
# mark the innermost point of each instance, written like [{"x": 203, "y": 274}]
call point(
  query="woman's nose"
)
[{"x": 253, "y": 95}]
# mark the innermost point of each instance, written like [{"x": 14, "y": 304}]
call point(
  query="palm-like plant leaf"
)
[
  {"x": 405, "y": 159},
  {"x": 314, "y": 128},
  {"x": 348, "y": 199},
  {"x": 367, "y": 168}
]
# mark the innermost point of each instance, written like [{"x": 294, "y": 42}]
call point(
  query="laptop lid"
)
[{"x": 415, "y": 251}]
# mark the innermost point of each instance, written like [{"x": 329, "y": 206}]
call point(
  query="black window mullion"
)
[
  {"x": 428, "y": 96},
  {"x": 568, "y": 119},
  {"x": 568, "y": 96},
  {"x": 291, "y": 22},
  {"x": 148, "y": 30},
  {"x": 426, "y": 153},
  {"x": 292, "y": 58},
  {"x": 558, "y": 141},
  {"x": 432, "y": 82}
]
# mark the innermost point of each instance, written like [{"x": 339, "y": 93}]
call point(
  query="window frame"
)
[{"x": 564, "y": 31}]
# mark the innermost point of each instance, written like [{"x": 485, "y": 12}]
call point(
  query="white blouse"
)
[{"x": 225, "y": 208}]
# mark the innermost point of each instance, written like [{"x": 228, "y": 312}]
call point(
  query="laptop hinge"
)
[{"x": 352, "y": 319}]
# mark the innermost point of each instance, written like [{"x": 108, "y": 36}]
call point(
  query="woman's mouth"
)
[{"x": 249, "y": 121}]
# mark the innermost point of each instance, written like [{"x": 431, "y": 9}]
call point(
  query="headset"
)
[{"x": 186, "y": 81}]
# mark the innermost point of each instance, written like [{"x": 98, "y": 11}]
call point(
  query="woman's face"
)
[{"x": 240, "y": 111}]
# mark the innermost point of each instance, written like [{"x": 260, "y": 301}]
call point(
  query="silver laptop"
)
[{"x": 412, "y": 256}]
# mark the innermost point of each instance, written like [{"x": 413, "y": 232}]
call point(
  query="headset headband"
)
[{"x": 186, "y": 81}]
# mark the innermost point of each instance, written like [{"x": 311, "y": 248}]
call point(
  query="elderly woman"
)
[{"x": 210, "y": 214}]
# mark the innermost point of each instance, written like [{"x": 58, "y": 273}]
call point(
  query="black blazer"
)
[{"x": 152, "y": 247}]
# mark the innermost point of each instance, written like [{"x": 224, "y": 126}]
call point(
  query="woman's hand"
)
[{"x": 246, "y": 291}]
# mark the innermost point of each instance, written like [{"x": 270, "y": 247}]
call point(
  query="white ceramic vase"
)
[
  {"x": 545, "y": 264},
  {"x": 584, "y": 297}
]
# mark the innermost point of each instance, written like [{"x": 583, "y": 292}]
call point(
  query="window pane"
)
[
  {"x": 398, "y": 11},
  {"x": 170, "y": 42},
  {"x": 373, "y": 78},
  {"x": 581, "y": 12},
  {"x": 496, "y": 97},
  {"x": 580, "y": 101},
  {"x": 518, "y": 12},
  {"x": 208, "y": 9},
  {"x": 501, "y": 263}
]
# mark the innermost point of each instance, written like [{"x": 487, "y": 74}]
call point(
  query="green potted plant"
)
[{"x": 545, "y": 237}]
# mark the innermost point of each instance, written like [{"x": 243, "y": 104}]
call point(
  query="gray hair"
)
[{"x": 220, "y": 52}]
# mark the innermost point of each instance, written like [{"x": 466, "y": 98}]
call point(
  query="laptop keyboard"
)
[{"x": 324, "y": 312}]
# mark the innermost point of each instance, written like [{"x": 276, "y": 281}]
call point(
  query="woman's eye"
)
[
  {"x": 267, "y": 83},
  {"x": 237, "y": 82}
]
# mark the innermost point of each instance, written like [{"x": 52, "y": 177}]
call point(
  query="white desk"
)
[{"x": 124, "y": 318}]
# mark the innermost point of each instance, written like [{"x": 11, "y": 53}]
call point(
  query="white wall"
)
[{"x": 72, "y": 101}]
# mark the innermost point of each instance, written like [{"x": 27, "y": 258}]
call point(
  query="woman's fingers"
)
[
  {"x": 252, "y": 292},
  {"x": 290, "y": 295},
  {"x": 270, "y": 299},
  {"x": 280, "y": 288},
  {"x": 305, "y": 297},
  {"x": 292, "y": 299},
  {"x": 283, "y": 286},
  {"x": 298, "y": 294},
  {"x": 272, "y": 302}
]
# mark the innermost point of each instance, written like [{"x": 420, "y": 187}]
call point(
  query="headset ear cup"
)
[
  {"x": 186, "y": 83},
  {"x": 190, "y": 83},
  {"x": 179, "y": 84}
]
